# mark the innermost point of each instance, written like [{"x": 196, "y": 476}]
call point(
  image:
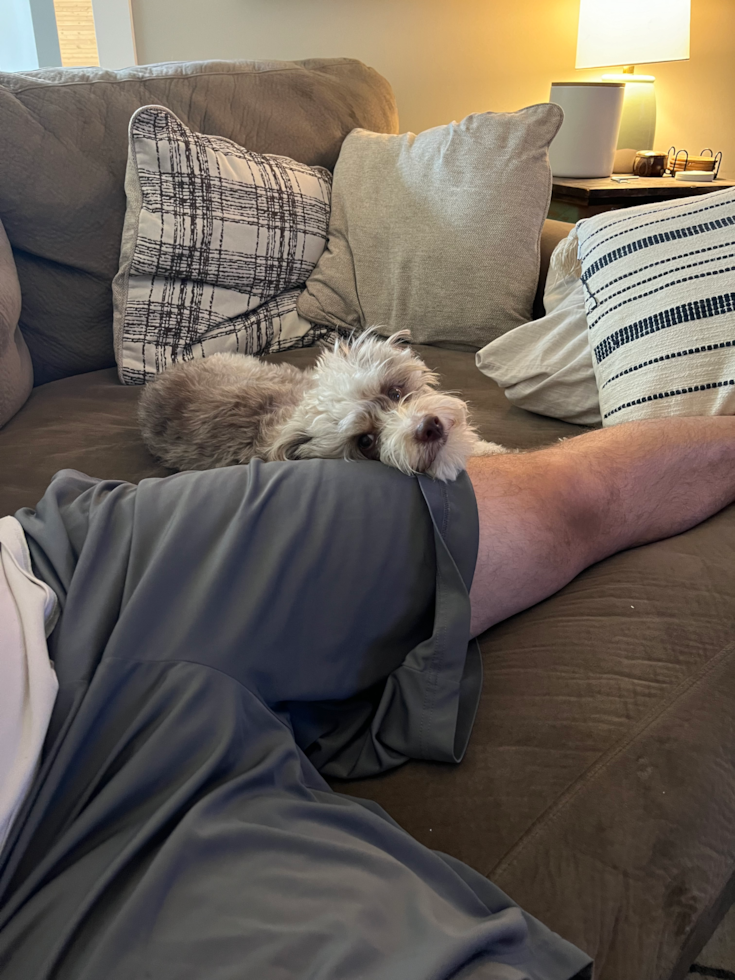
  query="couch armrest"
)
[{"x": 551, "y": 234}]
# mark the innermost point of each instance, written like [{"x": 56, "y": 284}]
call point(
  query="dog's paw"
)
[{"x": 482, "y": 448}]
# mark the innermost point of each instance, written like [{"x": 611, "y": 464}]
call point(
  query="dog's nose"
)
[{"x": 430, "y": 429}]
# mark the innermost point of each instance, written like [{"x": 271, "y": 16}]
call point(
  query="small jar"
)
[{"x": 649, "y": 163}]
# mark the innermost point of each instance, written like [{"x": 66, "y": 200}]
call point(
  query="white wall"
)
[
  {"x": 17, "y": 42},
  {"x": 113, "y": 27},
  {"x": 446, "y": 58},
  {"x": 45, "y": 33}
]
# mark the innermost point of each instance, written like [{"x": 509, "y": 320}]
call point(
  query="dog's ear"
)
[
  {"x": 290, "y": 445},
  {"x": 294, "y": 449}
]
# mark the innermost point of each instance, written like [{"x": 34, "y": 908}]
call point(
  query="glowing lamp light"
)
[{"x": 633, "y": 32}]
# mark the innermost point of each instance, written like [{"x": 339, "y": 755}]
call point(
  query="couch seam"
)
[
  {"x": 203, "y": 74},
  {"x": 552, "y": 814}
]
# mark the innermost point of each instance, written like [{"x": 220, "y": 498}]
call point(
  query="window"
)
[
  {"x": 50, "y": 33},
  {"x": 75, "y": 27}
]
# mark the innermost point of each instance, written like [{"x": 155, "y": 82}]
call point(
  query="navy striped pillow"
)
[{"x": 659, "y": 285}]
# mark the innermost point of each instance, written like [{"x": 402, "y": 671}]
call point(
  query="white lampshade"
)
[{"x": 632, "y": 32}]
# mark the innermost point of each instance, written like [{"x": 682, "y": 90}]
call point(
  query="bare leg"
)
[{"x": 546, "y": 515}]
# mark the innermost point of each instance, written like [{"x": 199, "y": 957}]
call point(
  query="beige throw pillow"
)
[
  {"x": 438, "y": 232},
  {"x": 16, "y": 373}
]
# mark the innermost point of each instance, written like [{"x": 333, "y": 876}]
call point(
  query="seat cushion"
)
[
  {"x": 597, "y": 789},
  {"x": 85, "y": 423},
  {"x": 88, "y": 423},
  {"x": 63, "y": 150}
]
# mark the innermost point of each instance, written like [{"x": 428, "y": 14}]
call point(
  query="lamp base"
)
[{"x": 638, "y": 122}]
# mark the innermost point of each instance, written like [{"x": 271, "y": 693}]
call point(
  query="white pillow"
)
[
  {"x": 660, "y": 299},
  {"x": 217, "y": 245},
  {"x": 545, "y": 365}
]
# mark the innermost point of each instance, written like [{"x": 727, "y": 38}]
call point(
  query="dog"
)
[{"x": 366, "y": 398}]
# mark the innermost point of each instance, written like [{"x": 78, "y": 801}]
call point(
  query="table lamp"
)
[{"x": 633, "y": 32}]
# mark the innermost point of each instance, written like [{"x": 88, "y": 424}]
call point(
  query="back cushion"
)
[
  {"x": 16, "y": 374},
  {"x": 63, "y": 150}
]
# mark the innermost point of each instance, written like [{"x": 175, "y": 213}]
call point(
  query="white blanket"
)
[{"x": 28, "y": 685}]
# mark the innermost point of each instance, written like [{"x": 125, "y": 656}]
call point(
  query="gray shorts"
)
[{"x": 226, "y": 636}]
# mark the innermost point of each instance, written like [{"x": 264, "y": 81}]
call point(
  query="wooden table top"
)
[{"x": 600, "y": 189}]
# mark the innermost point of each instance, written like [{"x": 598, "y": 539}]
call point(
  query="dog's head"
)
[{"x": 373, "y": 398}]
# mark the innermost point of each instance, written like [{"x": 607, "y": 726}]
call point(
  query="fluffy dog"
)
[{"x": 368, "y": 398}]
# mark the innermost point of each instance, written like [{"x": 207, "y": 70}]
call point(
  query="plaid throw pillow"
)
[
  {"x": 217, "y": 245},
  {"x": 659, "y": 285}
]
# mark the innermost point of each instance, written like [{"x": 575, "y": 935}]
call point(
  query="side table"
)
[{"x": 573, "y": 199}]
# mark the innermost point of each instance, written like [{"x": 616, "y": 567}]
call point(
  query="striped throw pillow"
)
[{"x": 659, "y": 285}]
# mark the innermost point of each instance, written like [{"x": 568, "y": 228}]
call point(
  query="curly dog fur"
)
[{"x": 369, "y": 398}]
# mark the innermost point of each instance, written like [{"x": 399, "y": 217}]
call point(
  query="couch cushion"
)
[
  {"x": 63, "y": 149},
  {"x": 16, "y": 372},
  {"x": 86, "y": 423},
  {"x": 597, "y": 786}
]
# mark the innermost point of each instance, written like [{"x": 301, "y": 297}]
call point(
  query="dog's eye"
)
[
  {"x": 394, "y": 394},
  {"x": 366, "y": 441}
]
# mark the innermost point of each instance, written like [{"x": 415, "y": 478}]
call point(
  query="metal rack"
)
[{"x": 680, "y": 160}]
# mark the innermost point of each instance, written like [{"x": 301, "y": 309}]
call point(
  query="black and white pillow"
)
[
  {"x": 217, "y": 245},
  {"x": 660, "y": 303}
]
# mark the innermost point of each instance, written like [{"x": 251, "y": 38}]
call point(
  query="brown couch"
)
[{"x": 597, "y": 789}]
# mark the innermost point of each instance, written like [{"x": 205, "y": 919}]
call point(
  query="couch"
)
[{"x": 598, "y": 785}]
